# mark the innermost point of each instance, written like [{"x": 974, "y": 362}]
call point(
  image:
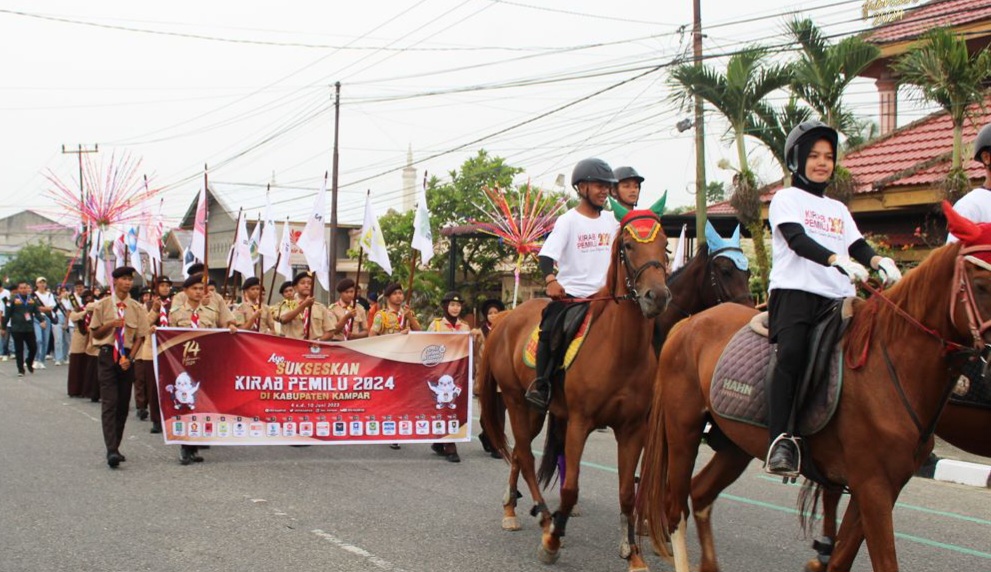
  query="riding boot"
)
[{"x": 783, "y": 453}]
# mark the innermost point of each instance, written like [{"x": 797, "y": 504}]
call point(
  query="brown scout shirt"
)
[
  {"x": 318, "y": 323},
  {"x": 266, "y": 324},
  {"x": 135, "y": 321},
  {"x": 209, "y": 316},
  {"x": 337, "y": 311}
]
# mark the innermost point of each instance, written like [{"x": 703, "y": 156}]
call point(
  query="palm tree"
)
[
  {"x": 736, "y": 94},
  {"x": 945, "y": 73},
  {"x": 771, "y": 126},
  {"x": 824, "y": 70}
]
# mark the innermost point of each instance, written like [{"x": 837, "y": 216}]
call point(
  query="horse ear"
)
[
  {"x": 658, "y": 207},
  {"x": 735, "y": 239},
  {"x": 960, "y": 226},
  {"x": 618, "y": 210},
  {"x": 712, "y": 235}
]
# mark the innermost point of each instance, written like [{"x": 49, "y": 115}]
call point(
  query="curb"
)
[{"x": 959, "y": 472}]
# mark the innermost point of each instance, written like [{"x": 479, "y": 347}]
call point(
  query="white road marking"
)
[{"x": 357, "y": 551}]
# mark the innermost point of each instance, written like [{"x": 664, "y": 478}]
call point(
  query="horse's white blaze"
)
[{"x": 680, "y": 545}]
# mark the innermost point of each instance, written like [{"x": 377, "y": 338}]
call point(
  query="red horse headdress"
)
[{"x": 969, "y": 233}]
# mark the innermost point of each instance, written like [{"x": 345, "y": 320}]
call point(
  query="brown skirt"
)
[
  {"x": 77, "y": 372},
  {"x": 91, "y": 388}
]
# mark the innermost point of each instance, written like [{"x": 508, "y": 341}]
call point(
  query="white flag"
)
[
  {"x": 198, "y": 246},
  {"x": 96, "y": 243},
  {"x": 311, "y": 241},
  {"x": 679, "y": 251},
  {"x": 285, "y": 250},
  {"x": 268, "y": 246},
  {"x": 150, "y": 240},
  {"x": 422, "y": 239},
  {"x": 372, "y": 240},
  {"x": 133, "y": 239},
  {"x": 242, "y": 251},
  {"x": 187, "y": 260}
]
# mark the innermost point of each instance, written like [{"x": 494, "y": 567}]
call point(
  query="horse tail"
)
[
  {"x": 492, "y": 418},
  {"x": 808, "y": 506},
  {"x": 553, "y": 448},
  {"x": 650, "y": 506}
]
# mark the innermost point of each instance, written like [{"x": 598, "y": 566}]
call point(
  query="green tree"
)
[
  {"x": 824, "y": 70},
  {"x": 748, "y": 79},
  {"x": 715, "y": 192},
  {"x": 771, "y": 126},
  {"x": 33, "y": 260},
  {"x": 945, "y": 73}
]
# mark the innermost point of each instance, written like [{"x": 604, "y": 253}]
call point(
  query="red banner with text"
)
[{"x": 218, "y": 388}]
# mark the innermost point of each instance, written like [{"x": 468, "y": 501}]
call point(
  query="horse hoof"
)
[
  {"x": 637, "y": 564},
  {"x": 814, "y": 566},
  {"x": 624, "y": 549},
  {"x": 511, "y": 523},
  {"x": 546, "y": 557}
]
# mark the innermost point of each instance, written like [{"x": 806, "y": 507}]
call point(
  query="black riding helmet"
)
[
  {"x": 982, "y": 142},
  {"x": 623, "y": 173},
  {"x": 592, "y": 170},
  {"x": 797, "y": 146}
]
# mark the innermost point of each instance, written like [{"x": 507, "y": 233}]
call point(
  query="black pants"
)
[
  {"x": 20, "y": 339},
  {"x": 115, "y": 396},
  {"x": 792, "y": 315}
]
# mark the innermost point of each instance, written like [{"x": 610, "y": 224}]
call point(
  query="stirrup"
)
[
  {"x": 791, "y": 476},
  {"x": 536, "y": 398}
]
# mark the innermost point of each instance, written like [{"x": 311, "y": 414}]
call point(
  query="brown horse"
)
[
  {"x": 604, "y": 385},
  {"x": 877, "y": 437},
  {"x": 963, "y": 426}
]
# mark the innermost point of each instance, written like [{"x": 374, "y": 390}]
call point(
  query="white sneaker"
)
[
  {"x": 39, "y": 365},
  {"x": 6, "y": 358},
  {"x": 58, "y": 363}
]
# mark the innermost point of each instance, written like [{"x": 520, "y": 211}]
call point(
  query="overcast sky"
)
[{"x": 246, "y": 87}]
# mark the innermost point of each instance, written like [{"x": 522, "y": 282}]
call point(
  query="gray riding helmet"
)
[
  {"x": 982, "y": 142},
  {"x": 802, "y": 131},
  {"x": 592, "y": 170},
  {"x": 623, "y": 173}
]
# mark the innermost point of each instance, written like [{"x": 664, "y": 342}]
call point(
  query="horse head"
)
[
  {"x": 641, "y": 250},
  {"x": 728, "y": 269},
  {"x": 970, "y": 305}
]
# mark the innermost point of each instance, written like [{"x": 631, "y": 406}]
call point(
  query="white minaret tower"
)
[{"x": 409, "y": 181}]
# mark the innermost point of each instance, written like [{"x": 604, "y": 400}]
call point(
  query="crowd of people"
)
[{"x": 104, "y": 336}]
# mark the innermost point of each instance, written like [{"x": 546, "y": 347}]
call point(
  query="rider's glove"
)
[
  {"x": 888, "y": 271},
  {"x": 853, "y": 269}
]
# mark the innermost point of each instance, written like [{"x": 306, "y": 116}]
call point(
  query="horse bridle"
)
[
  {"x": 976, "y": 323},
  {"x": 633, "y": 274},
  {"x": 717, "y": 286}
]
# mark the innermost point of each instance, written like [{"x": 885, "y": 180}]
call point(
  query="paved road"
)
[{"x": 364, "y": 508}]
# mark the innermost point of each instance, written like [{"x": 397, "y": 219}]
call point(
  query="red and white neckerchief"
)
[
  {"x": 258, "y": 320},
  {"x": 306, "y": 323},
  {"x": 402, "y": 318},
  {"x": 163, "y": 312},
  {"x": 119, "y": 349},
  {"x": 346, "y": 332},
  {"x": 194, "y": 319}
]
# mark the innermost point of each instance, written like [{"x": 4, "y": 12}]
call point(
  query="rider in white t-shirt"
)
[
  {"x": 810, "y": 234},
  {"x": 976, "y": 205},
  {"x": 580, "y": 245}
]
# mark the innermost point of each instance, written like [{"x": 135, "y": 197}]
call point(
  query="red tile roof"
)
[
  {"x": 939, "y": 13},
  {"x": 916, "y": 154}
]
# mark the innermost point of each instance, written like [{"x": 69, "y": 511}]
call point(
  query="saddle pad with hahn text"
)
[
  {"x": 530, "y": 349},
  {"x": 739, "y": 385}
]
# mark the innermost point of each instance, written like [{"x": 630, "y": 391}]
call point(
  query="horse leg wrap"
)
[
  {"x": 824, "y": 547},
  {"x": 559, "y": 521},
  {"x": 538, "y": 509},
  {"x": 511, "y": 496}
]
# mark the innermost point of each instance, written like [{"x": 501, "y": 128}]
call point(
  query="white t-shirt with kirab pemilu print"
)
[
  {"x": 582, "y": 247},
  {"x": 825, "y": 220}
]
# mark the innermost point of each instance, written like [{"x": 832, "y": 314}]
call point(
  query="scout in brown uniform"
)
[
  {"x": 82, "y": 313},
  {"x": 119, "y": 328},
  {"x": 253, "y": 314},
  {"x": 193, "y": 313},
  {"x": 451, "y": 321},
  {"x": 308, "y": 320},
  {"x": 158, "y": 316},
  {"x": 347, "y": 319},
  {"x": 392, "y": 318},
  {"x": 287, "y": 303}
]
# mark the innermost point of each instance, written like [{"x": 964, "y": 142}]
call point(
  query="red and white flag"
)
[{"x": 198, "y": 246}]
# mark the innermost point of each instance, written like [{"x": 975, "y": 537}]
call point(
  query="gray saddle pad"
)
[{"x": 739, "y": 385}]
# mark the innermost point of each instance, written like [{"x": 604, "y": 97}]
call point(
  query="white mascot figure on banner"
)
[
  {"x": 183, "y": 392},
  {"x": 446, "y": 391}
]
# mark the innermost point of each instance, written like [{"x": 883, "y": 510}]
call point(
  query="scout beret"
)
[
  {"x": 392, "y": 287},
  {"x": 300, "y": 276},
  {"x": 253, "y": 281},
  {"x": 345, "y": 285},
  {"x": 122, "y": 272},
  {"x": 192, "y": 281},
  {"x": 286, "y": 284}
]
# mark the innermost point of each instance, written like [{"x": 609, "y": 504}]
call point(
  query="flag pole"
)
[
  {"x": 206, "y": 229},
  {"x": 275, "y": 272},
  {"x": 230, "y": 255},
  {"x": 261, "y": 265}
]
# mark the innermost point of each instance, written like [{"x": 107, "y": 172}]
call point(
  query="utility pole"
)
[
  {"x": 699, "y": 133},
  {"x": 333, "y": 192},
  {"x": 78, "y": 151}
]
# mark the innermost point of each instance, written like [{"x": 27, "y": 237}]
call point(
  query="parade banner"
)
[{"x": 218, "y": 388}]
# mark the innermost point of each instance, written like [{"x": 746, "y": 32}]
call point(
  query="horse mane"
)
[
  {"x": 921, "y": 293},
  {"x": 701, "y": 254}
]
